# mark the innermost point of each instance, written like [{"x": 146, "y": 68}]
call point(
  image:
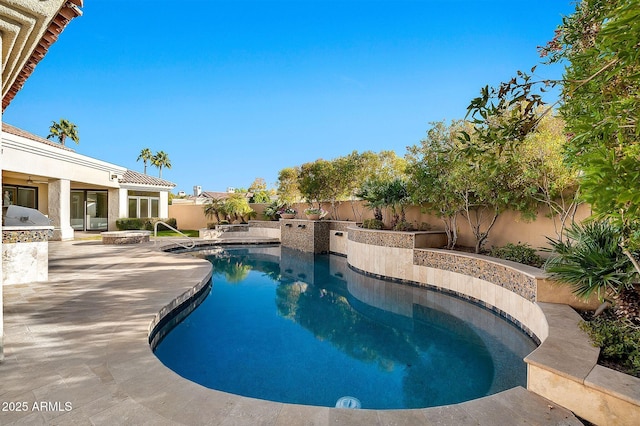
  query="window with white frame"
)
[{"x": 143, "y": 205}]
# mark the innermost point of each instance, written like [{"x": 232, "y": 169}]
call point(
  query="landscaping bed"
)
[{"x": 619, "y": 342}]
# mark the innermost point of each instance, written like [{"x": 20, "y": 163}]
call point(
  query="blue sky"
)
[{"x": 234, "y": 90}]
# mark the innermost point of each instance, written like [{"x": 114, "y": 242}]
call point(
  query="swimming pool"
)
[{"x": 292, "y": 327}]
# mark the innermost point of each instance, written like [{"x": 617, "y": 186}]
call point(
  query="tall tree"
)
[
  {"x": 160, "y": 160},
  {"x": 433, "y": 169},
  {"x": 288, "y": 191},
  {"x": 259, "y": 191},
  {"x": 602, "y": 107},
  {"x": 146, "y": 156},
  {"x": 237, "y": 206},
  {"x": 544, "y": 173},
  {"x": 62, "y": 130},
  {"x": 314, "y": 181}
]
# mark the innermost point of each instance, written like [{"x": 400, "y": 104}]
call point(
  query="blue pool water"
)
[{"x": 287, "y": 326}]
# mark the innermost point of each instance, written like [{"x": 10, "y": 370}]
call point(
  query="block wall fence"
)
[{"x": 509, "y": 227}]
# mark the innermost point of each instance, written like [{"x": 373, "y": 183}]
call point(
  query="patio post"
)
[{"x": 60, "y": 209}]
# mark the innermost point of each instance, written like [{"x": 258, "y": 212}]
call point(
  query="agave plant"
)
[{"x": 591, "y": 260}]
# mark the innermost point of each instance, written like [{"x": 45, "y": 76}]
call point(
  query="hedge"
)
[{"x": 133, "y": 223}]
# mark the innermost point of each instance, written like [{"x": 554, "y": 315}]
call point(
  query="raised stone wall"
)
[
  {"x": 25, "y": 254},
  {"x": 473, "y": 281},
  {"x": 382, "y": 238},
  {"x": 340, "y": 225},
  {"x": 310, "y": 236},
  {"x": 273, "y": 224},
  {"x": 125, "y": 237},
  {"x": 406, "y": 240},
  {"x": 484, "y": 268}
]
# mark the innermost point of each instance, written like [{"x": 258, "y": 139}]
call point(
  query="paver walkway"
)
[{"x": 76, "y": 352}]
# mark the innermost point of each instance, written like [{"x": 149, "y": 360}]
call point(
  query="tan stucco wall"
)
[
  {"x": 191, "y": 216},
  {"x": 188, "y": 216},
  {"x": 509, "y": 228}
]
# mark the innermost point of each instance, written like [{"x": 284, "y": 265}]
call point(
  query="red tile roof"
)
[
  {"x": 67, "y": 12},
  {"x": 138, "y": 178},
  {"x": 8, "y": 128}
]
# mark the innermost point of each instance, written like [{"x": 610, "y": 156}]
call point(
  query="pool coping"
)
[{"x": 83, "y": 337}]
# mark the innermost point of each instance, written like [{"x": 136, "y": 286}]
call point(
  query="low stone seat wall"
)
[
  {"x": 564, "y": 369},
  {"x": 125, "y": 237}
]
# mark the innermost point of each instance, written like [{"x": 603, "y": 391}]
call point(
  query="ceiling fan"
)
[{"x": 31, "y": 181}]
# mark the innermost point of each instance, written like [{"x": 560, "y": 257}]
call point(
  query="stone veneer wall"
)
[
  {"x": 515, "y": 280},
  {"x": 470, "y": 277},
  {"x": 125, "y": 237},
  {"x": 340, "y": 225},
  {"x": 410, "y": 240},
  {"x": 310, "y": 236},
  {"x": 13, "y": 235},
  {"x": 383, "y": 238},
  {"x": 25, "y": 254}
]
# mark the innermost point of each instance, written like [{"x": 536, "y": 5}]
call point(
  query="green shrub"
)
[
  {"x": 150, "y": 223},
  {"x": 129, "y": 224},
  {"x": 403, "y": 225},
  {"x": 133, "y": 223},
  {"x": 372, "y": 224},
  {"x": 590, "y": 259},
  {"x": 424, "y": 226},
  {"x": 521, "y": 253},
  {"x": 618, "y": 342}
]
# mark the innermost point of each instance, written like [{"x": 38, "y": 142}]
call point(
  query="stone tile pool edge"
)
[{"x": 487, "y": 410}]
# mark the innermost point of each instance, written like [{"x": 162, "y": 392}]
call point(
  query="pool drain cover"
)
[{"x": 348, "y": 402}]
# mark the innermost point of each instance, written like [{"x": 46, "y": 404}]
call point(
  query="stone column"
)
[
  {"x": 60, "y": 209},
  {"x": 114, "y": 208}
]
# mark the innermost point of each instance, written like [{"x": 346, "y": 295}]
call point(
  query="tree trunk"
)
[
  {"x": 450, "y": 228},
  {"x": 377, "y": 213}
]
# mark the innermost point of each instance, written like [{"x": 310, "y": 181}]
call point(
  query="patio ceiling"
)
[{"x": 28, "y": 28}]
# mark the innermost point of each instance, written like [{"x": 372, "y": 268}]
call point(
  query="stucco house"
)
[
  {"x": 201, "y": 197},
  {"x": 76, "y": 192},
  {"x": 28, "y": 28}
]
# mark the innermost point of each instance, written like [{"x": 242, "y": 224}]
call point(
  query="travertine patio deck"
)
[{"x": 78, "y": 344}]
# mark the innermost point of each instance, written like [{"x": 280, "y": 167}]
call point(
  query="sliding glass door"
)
[
  {"x": 89, "y": 210},
  {"x": 77, "y": 210}
]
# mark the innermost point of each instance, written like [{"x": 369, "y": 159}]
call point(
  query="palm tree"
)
[
  {"x": 145, "y": 155},
  {"x": 62, "y": 130},
  {"x": 160, "y": 160},
  {"x": 215, "y": 207}
]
